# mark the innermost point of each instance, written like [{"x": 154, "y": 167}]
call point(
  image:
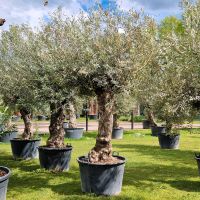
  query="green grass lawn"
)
[{"x": 150, "y": 173}]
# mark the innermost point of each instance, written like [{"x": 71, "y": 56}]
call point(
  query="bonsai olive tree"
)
[
  {"x": 112, "y": 48},
  {"x": 14, "y": 85}
]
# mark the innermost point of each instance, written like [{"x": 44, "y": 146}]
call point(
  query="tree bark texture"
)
[
  {"x": 102, "y": 152},
  {"x": 169, "y": 126},
  {"x": 150, "y": 117},
  {"x": 56, "y": 130},
  {"x": 72, "y": 115},
  {"x": 26, "y": 116},
  {"x": 115, "y": 121}
]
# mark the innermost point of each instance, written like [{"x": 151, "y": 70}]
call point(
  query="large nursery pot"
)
[
  {"x": 57, "y": 159},
  {"x": 41, "y": 117},
  {"x": 24, "y": 149},
  {"x": 101, "y": 179},
  {"x": 7, "y": 136},
  {"x": 93, "y": 117},
  {"x": 74, "y": 133},
  {"x": 65, "y": 125},
  {"x": 117, "y": 133},
  {"x": 146, "y": 124},
  {"x": 156, "y": 130},
  {"x": 4, "y": 177},
  {"x": 169, "y": 141},
  {"x": 197, "y": 157}
]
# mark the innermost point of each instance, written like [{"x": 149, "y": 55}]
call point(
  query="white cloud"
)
[{"x": 23, "y": 11}]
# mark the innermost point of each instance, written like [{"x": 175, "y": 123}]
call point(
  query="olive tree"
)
[
  {"x": 182, "y": 51},
  {"x": 14, "y": 85},
  {"x": 111, "y": 49},
  {"x": 51, "y": 62}
]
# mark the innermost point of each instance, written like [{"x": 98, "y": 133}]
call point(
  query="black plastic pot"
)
[
  {"x": 7, "y": 136},
  {"x": 156, "y": 130},
  {"x": 93, "y": 116},
  {"x": 146, "y": 124},
  {"x": 117, "y": 133},
  {"x": 56, "y": 159},
  {"x": 101, "y": 179},
  {"x": 24, "y": 149},
  {"x": 74, "y": 133},
  {"x": 169, "y": 141},
  {"x": 197, "y": 157},
  {"x": 65, "y": 124},
  {"x": 41, "y": 117},
  {"x": 77, "y": 116},
  {"x": 4, "y": 182}
]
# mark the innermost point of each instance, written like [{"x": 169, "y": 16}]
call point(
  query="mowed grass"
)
[{"x": 150, "y": 173}]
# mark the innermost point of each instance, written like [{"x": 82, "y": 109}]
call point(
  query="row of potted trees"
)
[{"x": 101, "y": 54}]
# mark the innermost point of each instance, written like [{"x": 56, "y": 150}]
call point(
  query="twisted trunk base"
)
[
  {"x": 102, "y": 152},
  {"x": 56, "y": 130},
  {"x": 26, "y": 116}
]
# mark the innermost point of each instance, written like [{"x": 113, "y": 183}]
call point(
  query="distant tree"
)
[
  {"x": 171, "y": 25},
  {"x": 123, "y": 105}
]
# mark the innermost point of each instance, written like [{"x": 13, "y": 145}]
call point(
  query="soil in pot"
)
[
  {"x": 169, "y": 141},
  {"x": 4, "y": 177},
  {"x": 101, "y": 179},
  {"x": 146, "y": 124},
  {"x": 56, "y": 159},
  {"x": 7, "y": 136},
  {"x": 24, "y": 149},
  {"x": 156, "y": 130},
  {"x": 74, "y": 133},
  {"x": 117, "y": 133}
]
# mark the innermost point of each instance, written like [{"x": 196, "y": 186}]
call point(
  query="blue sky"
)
[{"x": 30, "y": 11}]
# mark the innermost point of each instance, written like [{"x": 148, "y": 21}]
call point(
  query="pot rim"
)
[
  {"x": 22, "y": 140},
  {"x": 118, "y": 128},
  {"x": 44, "y": 147},
  {"x": 7, "y": 170},
  {"x": 101, "y": 164},
  {"x": 74, "y": 128}
]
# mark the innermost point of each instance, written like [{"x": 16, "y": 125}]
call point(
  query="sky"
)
[{"x": 32, "y": 11}]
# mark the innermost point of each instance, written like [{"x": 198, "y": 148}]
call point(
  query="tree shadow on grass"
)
[
  {"x": 182, "y": 165},
  {"x": 155, "y": 152}
]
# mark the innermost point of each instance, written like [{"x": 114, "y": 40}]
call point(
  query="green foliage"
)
[
  {"x": 170, "y": 25},
  {"x": 112, "y": 48}
]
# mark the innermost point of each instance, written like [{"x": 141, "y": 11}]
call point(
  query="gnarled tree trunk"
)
[
  {"x": 56, "y": 130},
  {"x": 169, "y": 126},
  {"x": 115, "y": 121},
  {"x": 150, "y": 117},
  {"x": 72, "y": 115},
  {"x": 102, "y": 152},
  {"x": 26, "y": 116}
]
